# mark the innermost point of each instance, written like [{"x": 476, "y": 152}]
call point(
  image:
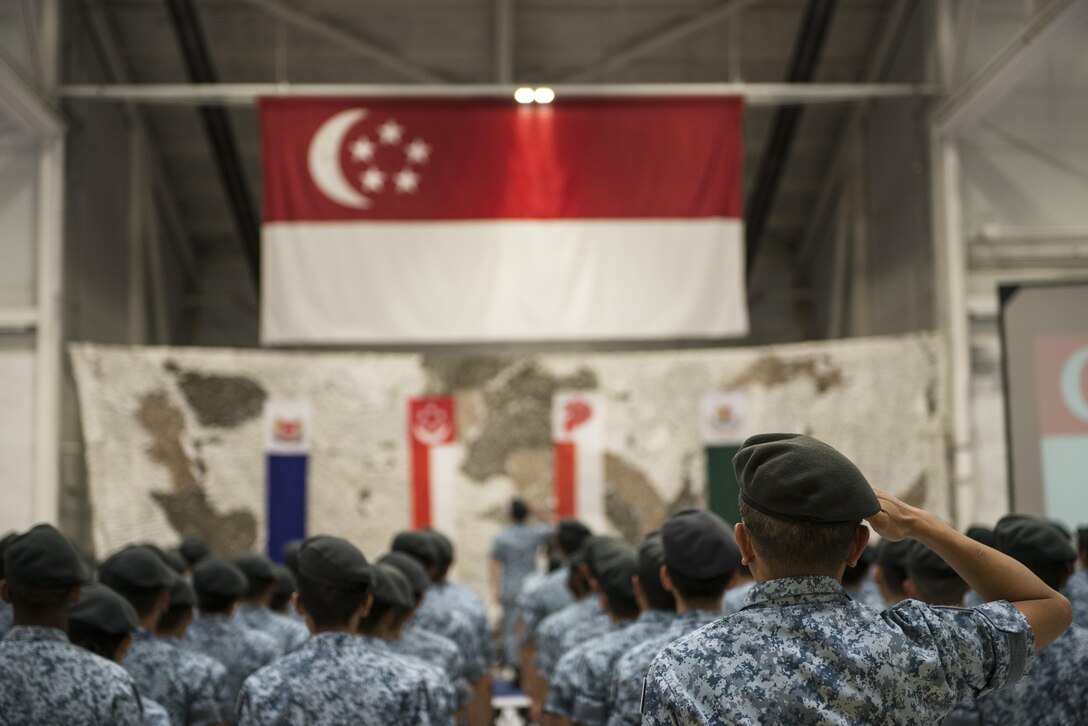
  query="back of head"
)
[
  {"x": 419, "y": 546},
  {"x": 138, "y": 574},
  {"x": 518, "y": 510},
  {"x": 100, "y": 621},
  {"x": 571, "y": 535},
  {"x": 41, "y": 567},
  {"x": 334, "y": 580},
  {"x": 393, "y": 599},
  {"x": 193, "y": 550},
  {"x": 802, "y": 502},
  {"x": 577, "y": 581},
  {"x": 891, "y": 560},
  {"x": 615, "y": 570},
  {"x": 651, "y": 558},
  {"x": 932, "y": 579},
  {"x": 260, "y": 577},
  {"x": 444, "y": 547},
  {"x": 701, "y": 554},
  {"x": 1042, "y": 547},
  {"x": 285, "y": 588},
  {"x": 218, "y": 584},
  {"x": 179, "y": 609},
  {"x": 411, "y": 569},
  {"x": 289, "y": 554}
]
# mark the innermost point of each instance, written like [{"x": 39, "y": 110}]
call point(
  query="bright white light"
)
[
  {"x": 524, "y": 95},
  {"x": 544, "y": 95}
]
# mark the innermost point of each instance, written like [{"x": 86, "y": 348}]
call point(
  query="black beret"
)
[
  {"x": 796, "y": 478},
  {"x": 409, "y": 567},
  {"x": 699, "y": 544},
  {"x": 285, "y": 581},
  {"x": 923, "y": 563},
  {"x": 981, "y": 534},
  {"x": 596, "y": 549},
  {"x": 392, "y": 588},
  {"x": 651, "y": 556},
  {"x": 1033, "y": 541},
  {"x": 442, "y": 543},
  {"x": 255, "y": 566},
  {"x": 571, "y": 534},
  {"x": 136, "y": 566},
  {"x": 215, "y": 576},
  {"x": 181, "y": 594},
  {"x": 175, "y": 561},
  {"x": 4, "y": 542},
  {"x": 289, "y": 554},
  {"x": 43, "y": 557},
  {"x": 334, "y": 562},
  {"x": 615, "y": 568},
  {"x": 417, "y": 545},
  {"x": 193, "y": 550},
  {"x": 100, "y": 608}
]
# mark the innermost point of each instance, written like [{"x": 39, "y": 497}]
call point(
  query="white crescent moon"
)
[{"x": 324, "y": 159}]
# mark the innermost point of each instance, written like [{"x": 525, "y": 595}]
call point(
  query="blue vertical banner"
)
[{"x": 288, "y": 430}]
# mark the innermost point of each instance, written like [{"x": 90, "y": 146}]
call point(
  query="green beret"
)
[
  {"x": 43, "y": 557},
  {"x": 135, "y": 566},
  {"x": 409, "y": 567},
  {"x": 334, "y": 562},
  {"x": 418, "y": 545},
  {"x": 597, "y": 549},
  {"x": 392, "y": 588},
  {"x": 100, "y": 608},
  {"x": 923, "y": 563},
  {"x": 1032, "y": 541},
  {"x": 215, "y": 576},
  {"x": 255, "y": 566},
  {"x": 699, "y": 544},
  {"x": 798, "y": 479}
]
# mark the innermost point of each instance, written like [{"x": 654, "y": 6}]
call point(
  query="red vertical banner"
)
[
  {"x": 578, "y": 444},
  {"x": 564, "y": 479},
  {"x": 431, "y": 423}
]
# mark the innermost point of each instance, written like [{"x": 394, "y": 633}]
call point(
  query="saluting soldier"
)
[
  {"x": 218, "y": 584},
  {"x": 253, "y": 609},
  {"x": 334, "y": 678},
  {"x": 55, "y": 681},
  {"x": 190, "y": 686},
  {"x": 801, "y": 650}
]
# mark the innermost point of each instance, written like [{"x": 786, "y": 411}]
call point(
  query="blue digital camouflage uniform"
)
[
  {"x": 550, "y": 633},
  {"x": 334, "y": 678},
  {"x": 154, "y": 713},
  {"x": 733, "y": 599},
  {"x": 62, "y": 683},
  {"x": 290, "y": 634},
  {"x": 241, "y": 650},
  {"x": 448, "y": 595},
  {"x": 631, "y": 668},
  {"x": 582, "y": 631},
  {"x": 1054, "y": 691},
  {"x": 439, "y": 651},
  {"x": 458, "y": 627},
  {"x": 597, "y": 665},
  {"x": 6, "y": 612},
  {"x": 440, "y": 690},
  {"x": 563, "y": 686},
  {"x": 515, "y": 548},
  {"x": 1077, "y": 592},
  {"x": 867, "y": 594},
  {"x": 190, "y": 686},
  {"x": 17, "y": 710},
  {"x": 549, "y": 595},
  {"x": 802, "y": 651}
]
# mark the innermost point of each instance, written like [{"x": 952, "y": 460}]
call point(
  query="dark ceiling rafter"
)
[
  {"x": 802, "y": 68},
  {"x": 217, "y": 127}
]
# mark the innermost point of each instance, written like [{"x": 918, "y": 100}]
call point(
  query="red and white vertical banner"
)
[
  {"x": 1061, "y": 369},
  {"x": 578, "y": 437},
  {"x": 435, "y": 458}
]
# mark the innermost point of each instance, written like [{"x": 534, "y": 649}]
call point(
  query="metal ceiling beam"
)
[
  {"x": 755, "y": 94},
  {"x": 25, "y": 106},
  {"x": 806, "y": 54},
  {"x": 504, "y": 41},
  {"x": 228, "y": 161},
  {"x": 661, "y": 38},
  {"x": 1035, "y": 42},
  {"x": 348, "y": 41}
]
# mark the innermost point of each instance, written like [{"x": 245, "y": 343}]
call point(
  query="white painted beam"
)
[
  {"x": 25, "y": 106},
  {"x": 504, "y": 41}
]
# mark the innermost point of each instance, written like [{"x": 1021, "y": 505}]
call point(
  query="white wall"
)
[{"x": 16, "y": 441}]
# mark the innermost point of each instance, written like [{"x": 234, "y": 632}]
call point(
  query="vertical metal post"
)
[
  {"x": 504, "y": 41},
  {"x": 860, "y": 278}
]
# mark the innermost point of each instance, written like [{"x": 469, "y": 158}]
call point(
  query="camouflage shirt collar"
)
[
  {"x": 36, "y": 632},
  {"x": 794, "y": 591}
]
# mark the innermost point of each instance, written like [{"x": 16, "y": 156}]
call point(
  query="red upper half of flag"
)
[{"x": 352, "y": 159}]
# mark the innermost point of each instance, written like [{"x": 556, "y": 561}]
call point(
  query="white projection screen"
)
[{"x": 1044, "y": 333}]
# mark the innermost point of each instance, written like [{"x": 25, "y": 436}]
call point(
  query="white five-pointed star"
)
[
  {"x": 418, "y": 152},
  {"x": 390, "y": 132},
  {"x": 407, "y": 181},
  {"x": 362, "y": 150},
  {"x": 373, "y": 179}
]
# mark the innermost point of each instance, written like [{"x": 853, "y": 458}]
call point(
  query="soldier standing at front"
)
[
  {"x": 513, "y": 559},
  {"x": 802, "y": 651}
]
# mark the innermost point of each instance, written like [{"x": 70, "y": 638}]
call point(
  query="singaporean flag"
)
[{"x": 439, "y": 220}]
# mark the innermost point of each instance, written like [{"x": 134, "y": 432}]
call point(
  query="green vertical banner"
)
[{"x": 721, "y": 425}]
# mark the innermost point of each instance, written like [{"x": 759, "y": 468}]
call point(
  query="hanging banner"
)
[
  {"x": 288, "y": 429},
  {"x": 578, "y": 436},
  {"x": 435, "y": 458},
  {"x": 722, "y": 427},
  {"x": 460, "y": 220}
]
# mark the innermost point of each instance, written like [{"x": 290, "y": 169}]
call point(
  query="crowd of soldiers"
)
[{"x": 788, "y": 616}]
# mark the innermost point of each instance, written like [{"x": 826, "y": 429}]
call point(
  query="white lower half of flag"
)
[
  {"x": 349, "y": 282},
  {"x": 445, "y": 463}
]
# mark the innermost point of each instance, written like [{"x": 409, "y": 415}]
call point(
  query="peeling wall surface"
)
[{"x": 173, "y": 437}]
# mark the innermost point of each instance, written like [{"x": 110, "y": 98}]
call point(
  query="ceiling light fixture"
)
[{"x": 524, "y": 95}]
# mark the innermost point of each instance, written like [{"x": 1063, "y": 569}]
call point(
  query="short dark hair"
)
[
  {"x": 170, "y": 619},
  {"x": 379, "y": 610},
  {"x": 142, "y": 600},
  {"x": 40, "y": 599},
  {"x": 693, "y": 587},
  {"x": 280, "y": 601},
  {"x": 329, "y": 607},
  {"x": 621, "y": 601},
  {"x": 939, "y": 590},
  {"x": 1053, "y": 574},
  {"x": 854, "y": 575},
  {"x": 256, "y": 587},
  {"x": 97, "y": 641},
  {"x": 518, "y": 510},
  {"x": 214, "y": 603},
  {"x": 789, "y": 544},
  {"x": 577, "y": 582},
  {"x": 649, "y": 579}
]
